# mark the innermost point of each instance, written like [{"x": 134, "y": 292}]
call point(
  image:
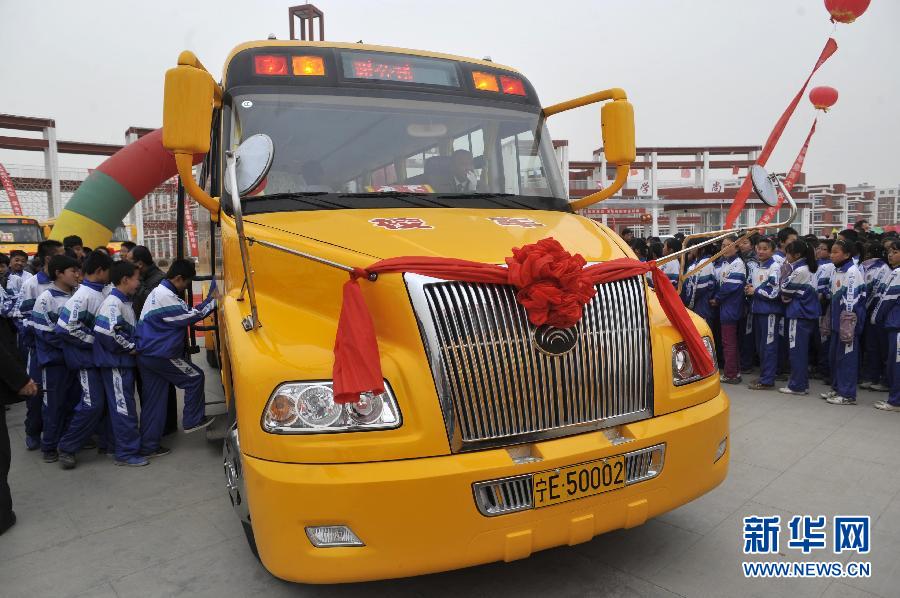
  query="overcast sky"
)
[{"x": 699, "y": 72}]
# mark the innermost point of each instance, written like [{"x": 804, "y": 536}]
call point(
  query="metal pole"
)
[{"x": 250, "y": 322}]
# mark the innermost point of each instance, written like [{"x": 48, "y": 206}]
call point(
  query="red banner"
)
[
  {"x": 189, "y": 228},
  {"x": 10, "y": 191},
  {"x": 789, "y": 180},
  {"x": 744, "y": 192}
]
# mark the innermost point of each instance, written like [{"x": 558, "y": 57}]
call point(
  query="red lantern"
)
[
  {"x": 823, "y": 97},
  {"x": 846, "y": 11}
]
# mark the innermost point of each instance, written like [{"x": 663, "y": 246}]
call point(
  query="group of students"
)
[
  {"x": 87, "y": 350},
  {"x": 800, "y": 308}
]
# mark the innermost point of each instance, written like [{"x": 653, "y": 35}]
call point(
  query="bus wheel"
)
[{"x": 234, "y": 483}]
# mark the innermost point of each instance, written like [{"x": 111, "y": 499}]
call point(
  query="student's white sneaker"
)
[
  {"x": 786, "y": 390},
  {"x": 827, "y": 394},
  {"x": 885, "y": 406},
  {"x": 879, "y": 387},
  {"x": 839, "y": 400}
]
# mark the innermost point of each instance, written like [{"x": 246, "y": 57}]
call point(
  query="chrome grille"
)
[
  {"x": 508, "y": 495},
  {"x": 496, "y": 387}
]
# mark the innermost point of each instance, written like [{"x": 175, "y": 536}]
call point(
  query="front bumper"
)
[{"x": 419, "y": 516}]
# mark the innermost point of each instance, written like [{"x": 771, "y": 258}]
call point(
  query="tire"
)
[{"x": 251, "y": 539}]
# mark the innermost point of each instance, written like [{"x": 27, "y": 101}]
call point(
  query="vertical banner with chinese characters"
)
[
  {"x": 744, "y": 192},
  {"x": 189, "y": 229},
  {"x": 10, "y": 189},
  {"x": 790, "y": 180}
]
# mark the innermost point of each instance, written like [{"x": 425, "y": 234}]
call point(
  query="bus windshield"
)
[
  {"x": 338, "y": 146},
  {"x": 18, "y": 230}
]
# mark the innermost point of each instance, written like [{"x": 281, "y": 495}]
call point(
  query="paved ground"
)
[{"x": 168, "y": 529}]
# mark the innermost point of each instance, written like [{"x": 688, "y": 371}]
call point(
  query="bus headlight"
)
[
  {"x": 682, "y": 368},
  {"x": 309, "y": 408}
]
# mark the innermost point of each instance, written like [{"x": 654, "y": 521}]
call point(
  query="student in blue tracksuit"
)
[
  {"x": 729, "y": 299},
  {"x": 114, "y": 350},
  {"x": 671, "y": 269},
  {"x": 886, "y": 317},
  {"x": 798, "y": 292},
  {"x": 848, "y": 296},
  {"x": 15, "y": 278},
  {"x": 161, "y": 333},
  {"x": 745, "y": 325},
  {"x": 58, "y": 384},
  {"x": 28, "y": 293},
  {"x": 767, "y": 311},
  {"x": 699, "y": 288},
  {"x": 76, "y": 327},
  {"x": 876, "y": 273},
  {"x": 821, "y": 339}
]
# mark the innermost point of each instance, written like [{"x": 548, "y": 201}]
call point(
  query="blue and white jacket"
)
[
  {"x": 876, "y": 273},
  {"x": 161, "y": 328},
  {"x": 671, "y": 270},
  {"x": 76, "y": 325},
  {"x": 886, "y": 312},
  {"x": 43, "y": 317},
  {"x": 848, "y": 293},
  {"x": 114, "y": 332},
  {"x": 699, "y": 289},
  {"x": 730, "y": 290},
  {"x": 766, "y": 280},
  {"x": 799, "y": 293},
  {"x": 31, "y": 290},
  {"x": 14, "y": 282}
]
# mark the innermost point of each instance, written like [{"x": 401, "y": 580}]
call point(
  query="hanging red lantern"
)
[
  {"x": 846, "y": 11},
  {"x": 823, "y": 97}
]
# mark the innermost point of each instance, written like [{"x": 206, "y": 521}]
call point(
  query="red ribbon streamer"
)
[
  {"x": 10, "y": 189},
  {"x": 744, "y": 192},
  {"x": 357, "y": 364},
  {"x": 790, "y": 180}
]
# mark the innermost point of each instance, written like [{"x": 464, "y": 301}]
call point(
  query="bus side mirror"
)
[
  {"x": 188, "y": 101},
  {"x": 617, "y": 127}
]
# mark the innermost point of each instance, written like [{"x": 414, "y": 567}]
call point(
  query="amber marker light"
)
[
  {"x": 270, "y": 65},
  {"x": 512, "y": 85},
  {"x": 308, "y": 65},
  {"x": 485, "y": 81}
]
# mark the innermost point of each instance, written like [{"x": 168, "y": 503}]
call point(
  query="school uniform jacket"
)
[
  {"x": 671, "y": 270},
  {"x": 161, "y": 327},
  {"x": 766, "y": 280},
  {"x": 114, "y": 332},
  {"x": 31, "y": 290},
  {"x": 886, "y": 312},
  {"x": 730, "y": 290},
  {"x": 76, "y": 325},
  {"x": 799, "y": 292},
  {"x": 44, "y": 315},
  {"x": 876, "y": 272},
  {"x": 848, "y": 293},
  {"x": 699, "y": 289},
  {"x": 14, "y": 282}
]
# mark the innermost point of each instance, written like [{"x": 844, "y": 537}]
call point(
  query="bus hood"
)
[{"x": 471, "y": 234}]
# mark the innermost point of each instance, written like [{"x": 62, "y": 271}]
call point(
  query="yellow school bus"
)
[
  {"x": 19, "y": 232},
  {"x": 493, "y": 438}
]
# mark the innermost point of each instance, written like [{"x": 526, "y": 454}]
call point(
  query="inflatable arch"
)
[{"x": 103, "y": 200}]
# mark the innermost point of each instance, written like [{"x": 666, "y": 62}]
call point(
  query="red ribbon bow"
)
[{"x": 553, "y": 287}]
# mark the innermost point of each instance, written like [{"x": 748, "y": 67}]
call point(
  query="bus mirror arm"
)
[
  {"x": 251, "y": 322},
  {"x": 185, "y": 164}
]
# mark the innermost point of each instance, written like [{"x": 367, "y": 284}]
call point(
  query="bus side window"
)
[{"x": 520, "y": 155}]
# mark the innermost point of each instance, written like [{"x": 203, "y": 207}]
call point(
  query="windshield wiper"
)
[
  {"x": 288, "y": 195},
  {"x": 385, "y": 194},
  {"x": 473, "y": 195}
]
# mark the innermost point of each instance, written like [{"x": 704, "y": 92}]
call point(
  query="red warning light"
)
[
  {"x": 270, "y": 65},
  {"x": 512, "y": 85},
  {"x": 369, "y": 69}
]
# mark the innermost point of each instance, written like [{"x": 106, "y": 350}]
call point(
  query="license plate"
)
[{"x": 577, "y": 481}]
